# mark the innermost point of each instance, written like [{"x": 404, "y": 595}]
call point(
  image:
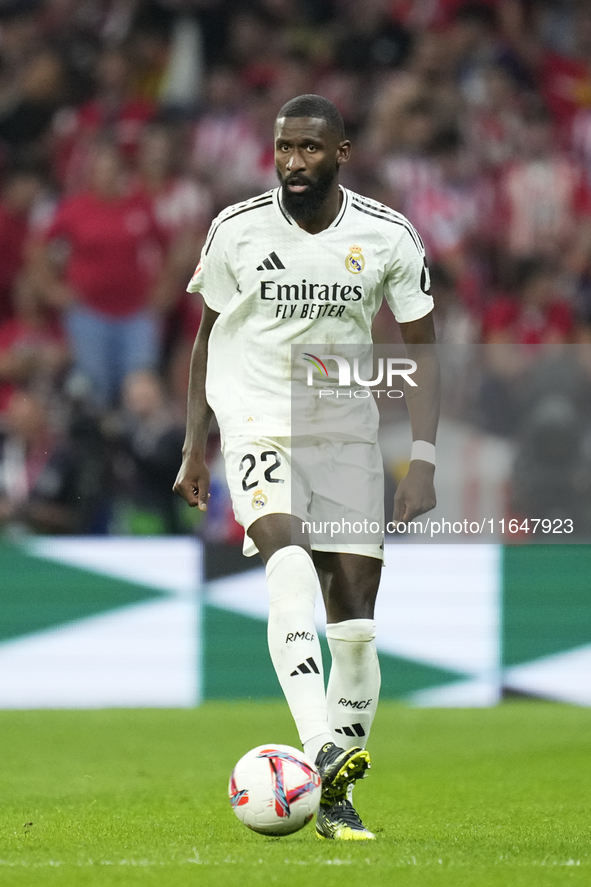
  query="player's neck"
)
[{"x": 326, "y": 214}]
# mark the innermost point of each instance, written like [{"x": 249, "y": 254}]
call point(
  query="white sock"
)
[
  {"x": 293, "y": 643},
  {"x": 354, "y": 682}
]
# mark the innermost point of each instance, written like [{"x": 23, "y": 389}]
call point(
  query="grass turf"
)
[{"x": 470, "y": 798}]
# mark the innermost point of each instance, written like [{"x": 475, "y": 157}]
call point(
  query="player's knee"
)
[
  {"x": 291, "y": 574},
  {"x": 353, "y": 630}
]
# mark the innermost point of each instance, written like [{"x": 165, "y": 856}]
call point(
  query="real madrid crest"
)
[
  {"x": 259, "y": 500},
  {"x": 355, "y": 263}
]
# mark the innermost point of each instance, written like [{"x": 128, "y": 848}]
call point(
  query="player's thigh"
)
[
  {"x": 347, "y": 504},
  {"x": 275, "y": 531},
  {"x": 260, "y": 481}
]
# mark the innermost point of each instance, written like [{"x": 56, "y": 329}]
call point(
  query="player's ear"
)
[{"x": 343, "y": 152}]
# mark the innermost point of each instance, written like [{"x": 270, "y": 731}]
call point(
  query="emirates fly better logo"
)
[{"x": 386, "y": 371}]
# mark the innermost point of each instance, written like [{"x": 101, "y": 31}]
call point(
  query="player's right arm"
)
[
  {"x": 214, "y": 279},
  {"x": 192, "y": 481}
]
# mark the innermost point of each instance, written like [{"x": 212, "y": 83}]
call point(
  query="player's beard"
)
[{"x": 305, "y": 206}]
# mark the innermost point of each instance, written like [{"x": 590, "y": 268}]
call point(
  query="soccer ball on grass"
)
[{"x": 275, "y": 790}]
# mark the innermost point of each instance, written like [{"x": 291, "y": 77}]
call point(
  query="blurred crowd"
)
[{"x": 126, "y": 125}]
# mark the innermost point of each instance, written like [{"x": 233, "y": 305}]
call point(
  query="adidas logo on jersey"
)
[
  {"x": 351, "y": 731},
  {"x": 272, "y": 261},
  {"x": 306, "y": 667}
]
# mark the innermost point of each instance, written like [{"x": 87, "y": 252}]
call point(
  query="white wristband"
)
[{"x": 423, "y": 450}]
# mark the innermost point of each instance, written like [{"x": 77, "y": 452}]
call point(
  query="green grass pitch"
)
[{"x": 468, "y": 798}]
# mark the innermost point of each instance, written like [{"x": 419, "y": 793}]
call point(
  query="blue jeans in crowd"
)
[{"x": 107, "y": 348}]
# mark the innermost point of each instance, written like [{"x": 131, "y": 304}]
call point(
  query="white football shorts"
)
[{"x": 336, "y": 487}]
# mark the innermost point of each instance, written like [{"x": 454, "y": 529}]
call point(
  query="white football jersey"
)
[{"x": 275, "y": 285}]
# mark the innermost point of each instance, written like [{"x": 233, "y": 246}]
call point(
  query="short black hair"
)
[{"x": 315, "y": 106}]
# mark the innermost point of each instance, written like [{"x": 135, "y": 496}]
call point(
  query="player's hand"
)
[
  {"x": 192, "y": 482},
  {"x": 415, "y": 494}
]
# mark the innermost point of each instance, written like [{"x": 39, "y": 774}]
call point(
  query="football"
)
[{"x": 275, "y": 790}]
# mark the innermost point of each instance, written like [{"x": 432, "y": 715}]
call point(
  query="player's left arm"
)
[{"x": 416, "y": 492}]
